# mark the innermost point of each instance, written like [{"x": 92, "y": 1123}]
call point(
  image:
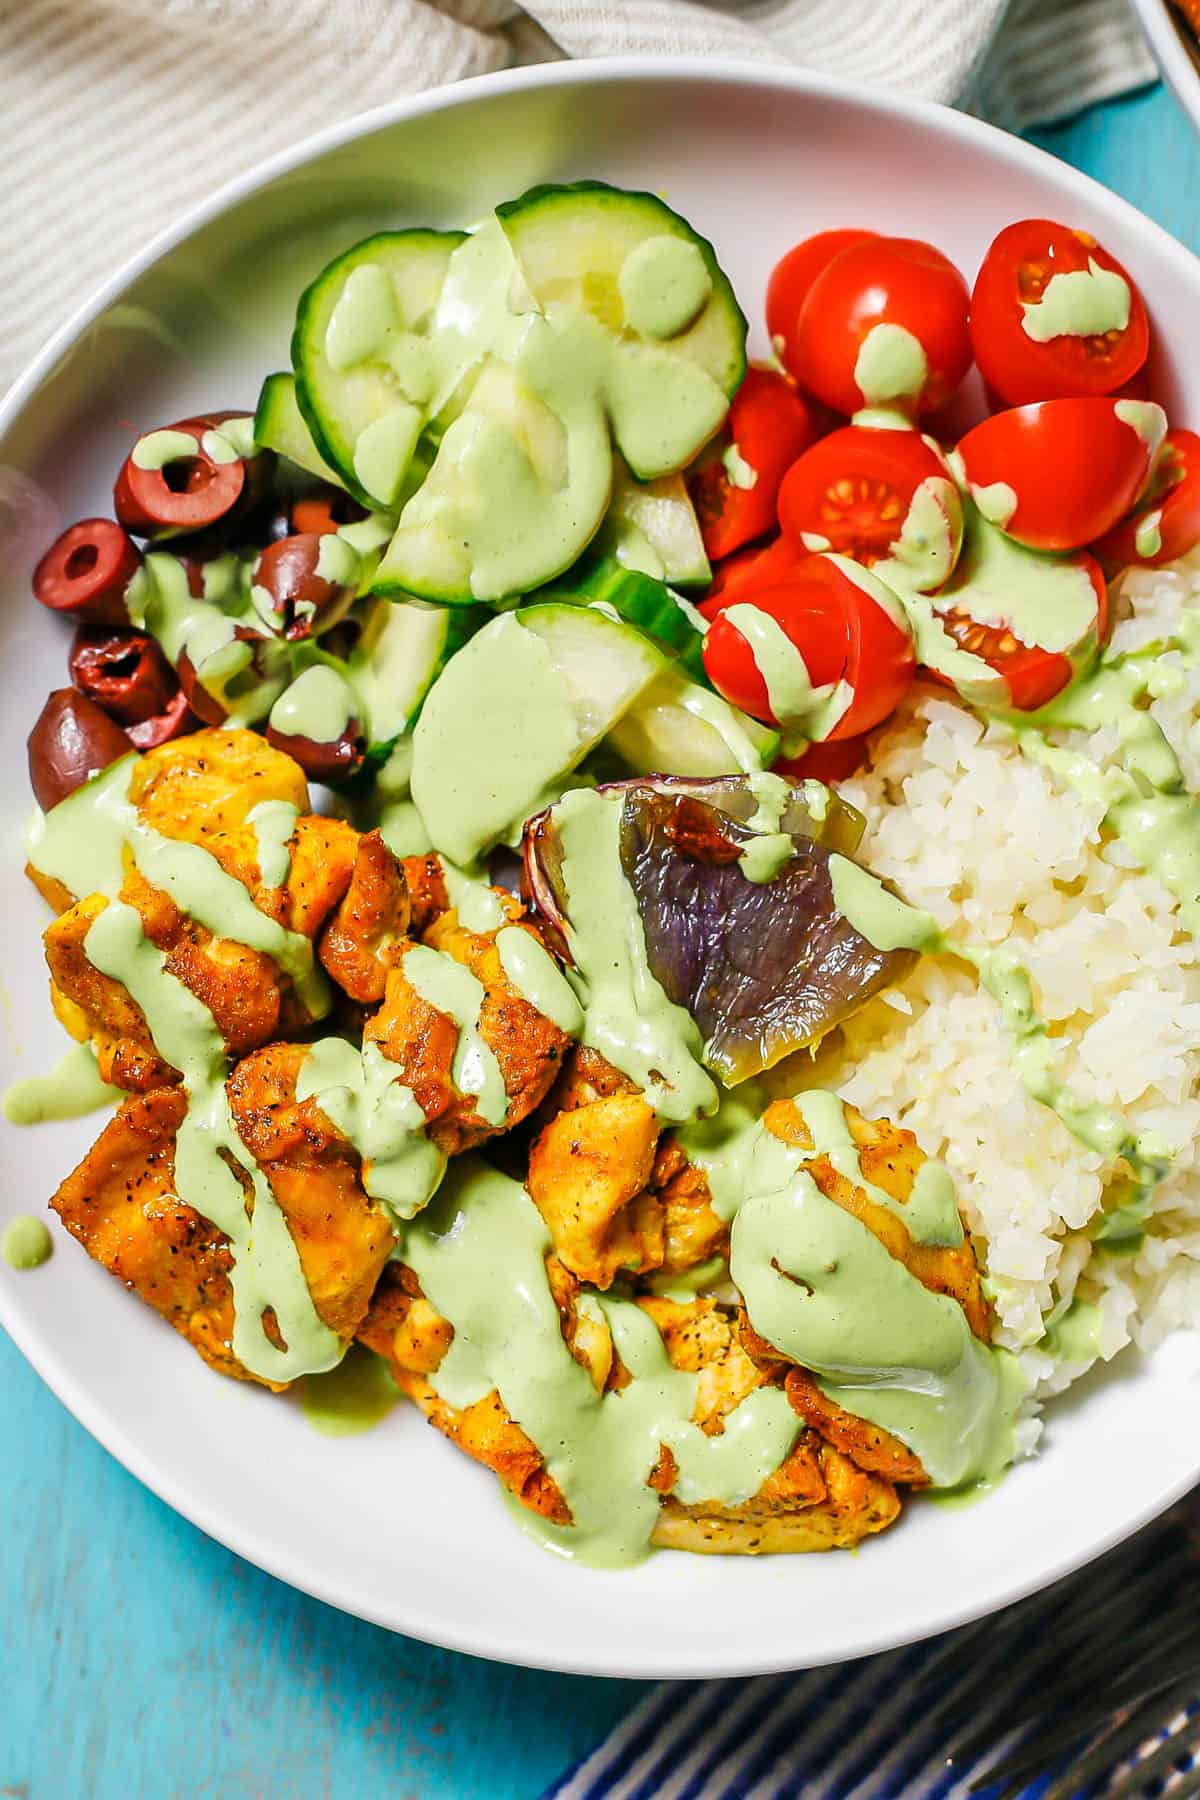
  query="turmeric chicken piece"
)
[
  {"x": 251, "y": 998},
  {"x": 210, "y": 782},
  {"x": 588, "y": 1175},
  {"x": 890, "y": 1159},
  {"x": 361, "y": 941},
  {"x": 410, "y": 1334},
  {"x": 422, "y": 1040},
  {"x": 693, "y": 1233},
  {"x": 121, "y": 1205},
  {"x": 815, "y": 1500},
  {"x": 427, "y": 895}
]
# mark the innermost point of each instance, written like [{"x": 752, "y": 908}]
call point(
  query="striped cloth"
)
[
  {"x": 119, "y": 114},
  {"x": 936, "y": 1721}
]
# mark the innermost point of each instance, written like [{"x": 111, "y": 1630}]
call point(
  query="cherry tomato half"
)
[
  {"x": 762, "y": 565},
  {"x": 853, "y": 493},
  {"x": 884, "y": 324},
  {"x": 1166, "y": 521},
  {"x": 830, "y": 761},
  {"x": 1057, "y": 475},
  {"x": 968, "y": 613},
  {"x": 795, "y": 273},
  {"x": 845, "y": 625},
  {"x": 1053, "y": 315},
  {"x": 734, "y": 494}
]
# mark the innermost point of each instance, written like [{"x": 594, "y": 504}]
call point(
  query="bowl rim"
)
[
  {"x": 490, "y": 1639},
  {"x": 1178, "y": 60}
]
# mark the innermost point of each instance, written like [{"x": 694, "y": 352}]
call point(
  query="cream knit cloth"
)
[{"x": 116, "y": 115}]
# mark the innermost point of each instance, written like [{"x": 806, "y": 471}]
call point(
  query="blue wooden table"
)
[{"x": 139, "y": 1661}]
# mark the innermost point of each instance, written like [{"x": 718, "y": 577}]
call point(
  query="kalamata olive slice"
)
[
  {"x": 303, "y": 584},
  {"x": 175, "y": 720},
  {"x": 330, "y": 764},
  {"x": 72, "y": 740},
  {"x": 85, "y": 572},
  {"x": 325, "y": 511},
  {"x": 125, "y": 672},
  {"x": 172, "y": 480},
  {"x": 207, "y": 706}
]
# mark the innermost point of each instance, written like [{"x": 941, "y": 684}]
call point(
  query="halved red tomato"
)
[
  {"x": 834, "y": 760},
  {"x": 825, "y": 654},
  {"x": 795, "y": 273},
  {"x": 1000, "y": 589},
  {"x": 885, "y": 324},
  {"x": 1166, "y": 520},
  {"x": 1059, "y": 474},
  {"x": 735, "y": 486},
  {"x": 1054, "y": 316},
  {"x": 854, "y": 491},
  {"x": 761, "y": 565}
]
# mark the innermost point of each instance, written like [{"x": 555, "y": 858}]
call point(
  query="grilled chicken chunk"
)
[
  {"x": 121, "y": 1204},
  {"x": 422, "y": 1040}
]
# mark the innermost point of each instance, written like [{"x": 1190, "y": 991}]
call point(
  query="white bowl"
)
[
  {"x": 1175, "y": 51},
  {"x": 396, "y": 1525}
]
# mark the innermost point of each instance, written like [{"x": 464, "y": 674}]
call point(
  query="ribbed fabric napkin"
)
[{"x": 119, "y": 114}]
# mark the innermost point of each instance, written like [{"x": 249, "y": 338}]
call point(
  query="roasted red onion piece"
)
[{"x": 764, "y": 968}]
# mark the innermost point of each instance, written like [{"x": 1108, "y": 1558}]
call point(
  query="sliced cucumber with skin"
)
[
  {"x": 516, "y": 710},
  {"x": 676, "y": 727},
  {"x": 649, "y": 604},
  {"x": 364, "y": 377},
  {"x": 279, "y": 425},
  {"x": 403, "y": 649},
  {"x": 640, "y": 271},
  {"x": 515, "y": 495},
  {"x": 651, "y": 527}
]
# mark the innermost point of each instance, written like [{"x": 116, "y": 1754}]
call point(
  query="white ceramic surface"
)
[
  {"x": 396, "y": 1525},
  {"x": 1175, "y": 51}
]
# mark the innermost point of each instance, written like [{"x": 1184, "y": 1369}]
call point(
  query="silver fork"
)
[{"x": 1107, "y": 1703}]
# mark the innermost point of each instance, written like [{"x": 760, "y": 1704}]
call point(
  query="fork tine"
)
[
  {"x": 1123, "y": 1727},
  {"x": 1101, "y": 1756}
]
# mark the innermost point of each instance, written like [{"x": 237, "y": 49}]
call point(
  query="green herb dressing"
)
[
  {"x": 318, "y": 705},
  {"x": 1045, "y": 601},
  {"x": 353, "y": 1398},
  {"x": 930, "y": 1214},
  {"x": 159, "y": 600},
  {"x": 798, "y": 706},
  {"x": 27, "y": 1243},
  {"x": 479, "y": 1252},
  {"x": 452, "y": 989},
  {"x": 274, "y": 825},
  {"x": 478, "y": 906},
  {"x": 1074, "y": 1333},
  {"x": 663, "y": 284},
  {"x": 1147, "y": 539},
  {"x": 765, "y": 855},
  {"x": 924, "y": 554},
  {"x": 469, "y": 794},
  {"x": 266, "y": 1268},
  {"x": 158, "y": 448},
  {"x": 538, "y": 979},
  {"x": 1078, "y": 303},
  {"x": 361, "y": 1094},
  {"x": 890, "y": 366},
  {"x": 741, "y": 473},
  {"x": 70, "y": 1090},
  {"x": 997, "y": 501},
  {"x": 230, "y": 441},
  {"x": 821, "y": 1287},
  {"x": 627, "y": 1016}
]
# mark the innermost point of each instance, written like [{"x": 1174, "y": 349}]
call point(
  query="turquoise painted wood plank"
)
[{"x": 140, "y": 1661}]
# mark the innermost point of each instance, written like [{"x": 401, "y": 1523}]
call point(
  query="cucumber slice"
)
[
  {"x": 678, "y": 728},
  {"x": 648, "y": 604},
  {"x": 279, "y": 425},
  {"x": 641, "y": 272},
  {"x": 652, "y": 527},
  {"x": 515, "y": 495},
  {"x": 403, "y": 648},
  {"x": 516, "y": 710},
  {"x": 364, "y": 374}
]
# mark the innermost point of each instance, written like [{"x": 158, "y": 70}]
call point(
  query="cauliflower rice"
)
[{"x": 997, "y": 847}]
